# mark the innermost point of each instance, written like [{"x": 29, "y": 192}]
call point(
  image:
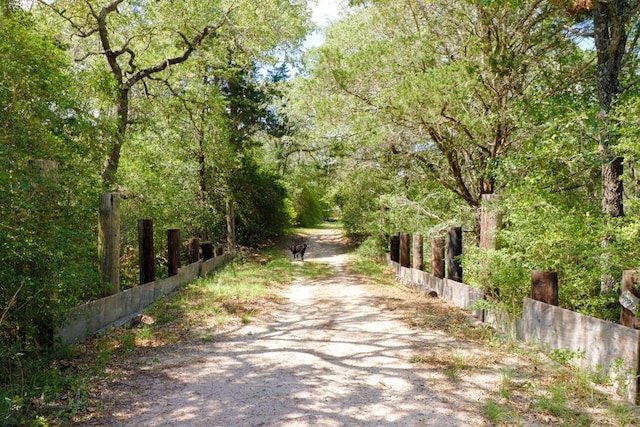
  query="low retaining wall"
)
[
  {"x": 600, "y": 345},
  {"x": 461, "y": 295},
  {"x": 94, "y": 316},
  {"x": 611, "y": 349}
]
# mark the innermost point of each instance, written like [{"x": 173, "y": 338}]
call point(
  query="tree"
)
[
  {"x": 207, "y": 127},
  {"x": 258, "y": 192},
  {"x": 44, "y": 190},
  {"x": 442, "y": 89},
  {"x": 142, "y": 41},
  {"x": 612, "y": 23}
]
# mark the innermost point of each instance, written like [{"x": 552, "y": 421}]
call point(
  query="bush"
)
[
  {"x": 261, "y": 208},
  {"x": 372, "y": 247},
  {"x": 310, "y": 209}
]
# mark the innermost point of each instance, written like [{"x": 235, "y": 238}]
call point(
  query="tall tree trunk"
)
[
  {"x": 609, "y": 19},
  {"x": 202, "y": 170},
  {"x": 111, "y": 163}
]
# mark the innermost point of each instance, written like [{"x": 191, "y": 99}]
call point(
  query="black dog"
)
[{"x": 298, "y": 250}]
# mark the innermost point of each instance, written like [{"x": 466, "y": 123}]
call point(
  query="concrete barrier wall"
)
[
  {"x": 117, "y": 309},
  {"x": 613, "y": 350},
  {"x": 461, "y": 295},
  {"x": 215, "y": 263},
  {"x": 602, "y": 345}
]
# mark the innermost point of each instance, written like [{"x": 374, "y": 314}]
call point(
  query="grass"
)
[
  {"x": 233, "y": 295},
  {"x": 58, "y": 391},
  {"x": 555, "y": 402},
  {"x": 495, "y": 412},
  {"x": 372, "y": 269},
  {"x": 455, "y": 367},
  {"x": 533, "y": 388},
  {"x": 536, "y": 391},
  {"x": 507, "y": 383}
]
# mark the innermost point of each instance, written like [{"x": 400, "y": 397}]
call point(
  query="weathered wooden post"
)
[
  {"x": 395, "y": 247},
  {"x": 109, "y": 242},
  {"x": 418, "y": 252},
  {"x": 219, "y": 249},
  {"x": 193, "y": 250},
  {"x": 146, "y": 255},
  {"x": 544, "y": 286},
  {"x": 207, "y": 250},
  {"x": 490, "y": 221},
  {"x": 405, "y": 250},
  {"x": 437, "y": 257},
  {"x": 231, "y": 225},
  {"x": 173, "y": 250},
  {"x": 629, "y": 299},
  {"x": 454, "y": 267}
]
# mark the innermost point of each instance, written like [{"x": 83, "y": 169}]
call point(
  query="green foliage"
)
[
  {"x": 369, "y": 267},
  {"x": 542, "y": 234},
  {"x": 309, "y": 207},
  {"x": 435, "y": 100},
  {"x": 262, "y": 208},
  {"x": 41, "y": 380},
  {"x": 495, "y": 412},
  {"x": 45, "y": 192},
  {"x": 357, "y": 195},
  {"x": 556, "y": 403},
  {"x": 47, "y": 213},
  {"x": 53, "y": 112},
  {"x": 552, "y": 215},
  {"x": 373, "y": 247}
]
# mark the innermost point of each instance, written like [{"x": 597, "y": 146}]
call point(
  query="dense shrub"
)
[{"x": 261, "y": 205}]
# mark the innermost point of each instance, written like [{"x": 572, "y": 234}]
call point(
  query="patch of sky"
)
[{"x": 323, "y": 14}]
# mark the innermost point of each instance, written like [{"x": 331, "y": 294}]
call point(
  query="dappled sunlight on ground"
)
[{"x": 338, "y": 351}]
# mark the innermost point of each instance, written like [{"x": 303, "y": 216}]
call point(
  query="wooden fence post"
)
[
  {"x": 395, "y": 247},
  {"x": 490, "y": 221},
  {"x": 405, "y": 250},
  {"x": 231, "y": 225},
  {"x": 146, "y": 254},
  {"x": 437, "y": 257},
  {"x": 629, "y": 299},
  {"x": 193, "y": 250},
  {"x": 454, "y": 267},
  {"x": 219, "y": 249},
  {"x": 544, "y": 286},
  {"x": 173, "y": 251},
  {"x": 109, "y": 242},
  {"x": 418, "y": 252},
  {"x": 207, "y": 250}
]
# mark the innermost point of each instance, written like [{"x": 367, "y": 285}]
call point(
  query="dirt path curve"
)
[{"x": 332, "y": 356}]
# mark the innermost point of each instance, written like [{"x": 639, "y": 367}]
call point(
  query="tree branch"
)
[{"x": 166, "y": 63}]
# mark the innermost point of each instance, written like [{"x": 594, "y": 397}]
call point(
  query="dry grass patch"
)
[
  {"x": 454, "y": 365},
  {"x": 530, "y": 388}
]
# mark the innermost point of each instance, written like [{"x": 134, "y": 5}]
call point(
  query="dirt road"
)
[{"x": 336, "y": 354}]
